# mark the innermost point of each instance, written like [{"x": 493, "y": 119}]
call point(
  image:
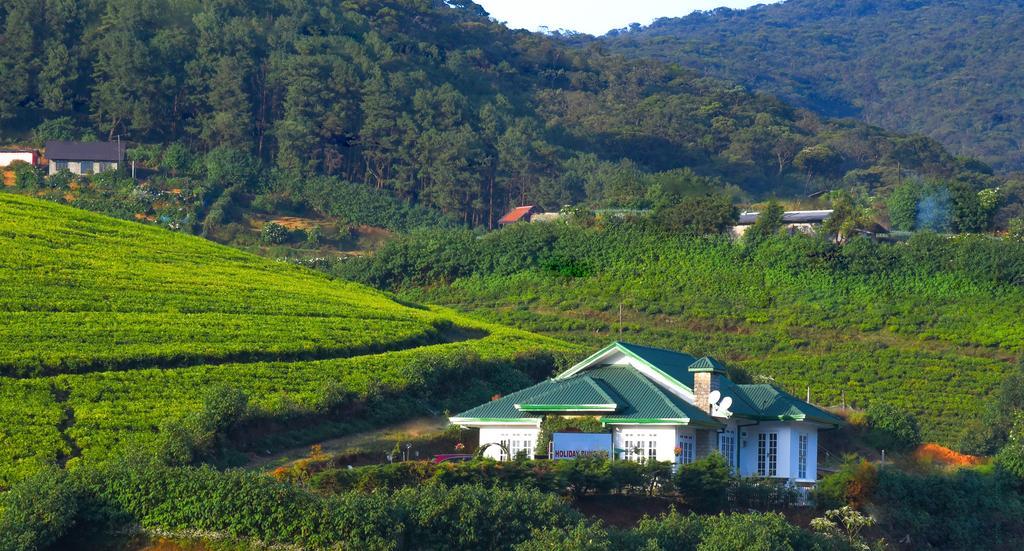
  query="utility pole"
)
[{"x": 620, "y": 317}]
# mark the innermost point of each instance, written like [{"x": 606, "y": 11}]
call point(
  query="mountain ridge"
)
[{"x": 938, "y": 67}]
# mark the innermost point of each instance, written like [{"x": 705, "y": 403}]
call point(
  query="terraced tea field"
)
[{"x": 108, "y": 328}]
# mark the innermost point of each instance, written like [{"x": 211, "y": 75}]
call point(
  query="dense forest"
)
[
  {"x": 944, "y": 68},
  {"x": 432, "y": 103}
]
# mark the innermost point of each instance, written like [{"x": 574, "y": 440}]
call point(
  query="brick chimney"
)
[{"x": 707, "y": 376}]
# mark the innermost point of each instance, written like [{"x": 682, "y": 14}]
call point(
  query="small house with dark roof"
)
[
  {"x": 518, "y": 214},
  {"x": 84, "y": 157},
  {"x": 663, "y": 405}
]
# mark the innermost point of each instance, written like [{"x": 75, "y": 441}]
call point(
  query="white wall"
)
[
  {"x": 76, "y": 167},
  {"x": 788, "y": 449},
  {"x": 8, "y": 157},
  {"x": 663, "y": 436},
  {"x": 512, "y": 433}
]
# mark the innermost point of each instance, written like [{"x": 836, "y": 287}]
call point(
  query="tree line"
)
[{"x": 432, "y": 102}]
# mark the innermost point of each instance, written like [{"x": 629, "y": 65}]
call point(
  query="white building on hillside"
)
[{"x": 666, "y": 406}]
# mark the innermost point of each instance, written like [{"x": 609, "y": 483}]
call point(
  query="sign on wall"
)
[{"x": 570, "y": 445}]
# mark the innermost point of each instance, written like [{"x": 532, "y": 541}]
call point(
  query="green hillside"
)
[
  {"x": 110, "y": 329},
  {"x": 946, "y": 69},
  {"x": 931, "y": 325}
]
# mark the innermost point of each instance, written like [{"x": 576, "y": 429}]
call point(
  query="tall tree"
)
[
  {"x": 126, "y": 90},
  {"x": 18, "y": 55}
]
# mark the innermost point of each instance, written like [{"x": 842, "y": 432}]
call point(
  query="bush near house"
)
[
  {"x": 578, "y": 477},
  {"x": 704, "y": 483},
  {"x": 90, "y": 503}
]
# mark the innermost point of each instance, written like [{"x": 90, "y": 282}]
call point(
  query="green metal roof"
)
[
  {"x": 505, "y": 408},
  {"x": 592, "y": 387},
  {"x": 674, "y": 364},
  {"x": 581, "y": 393},
  {"x": 637, "y": 400},
  {"x": 705, "y": 365},
  {"x": 760, "y": 401},
  {"x": 646, "y": 401},
  {"x": 774, "y": 403}
]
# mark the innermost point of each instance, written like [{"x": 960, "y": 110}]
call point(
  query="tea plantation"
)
[
  {"x": 108, "y": 329},
  {"x": 931, "y": 325}
]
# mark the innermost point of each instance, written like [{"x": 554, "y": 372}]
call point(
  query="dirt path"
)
[{"x": 382, "y": 438}]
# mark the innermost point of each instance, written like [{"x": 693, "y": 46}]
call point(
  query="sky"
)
[{"x": 597, "y": 17}]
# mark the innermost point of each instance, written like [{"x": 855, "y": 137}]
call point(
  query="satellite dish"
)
[
  {"x": 714, "y": 396},
  {"x": 724, "y": 406}
]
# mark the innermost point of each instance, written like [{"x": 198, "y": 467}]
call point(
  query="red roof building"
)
[{"x": 518, "y": 214}]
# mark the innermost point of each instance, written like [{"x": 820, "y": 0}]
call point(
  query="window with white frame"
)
[
  {"x": 727, "y": 446},
  {"x": 639, "y": 446},
  {"x": 688, "y": 448},
  {"x": 767, "y": 454},
  {"x": 801, "y": 465},
  {"x": 516, "y": 444},
  {"x": 85, "y": 167},
  {"x": 61, "y": 165}
]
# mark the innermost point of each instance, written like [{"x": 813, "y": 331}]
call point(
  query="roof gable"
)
[
  {"x": 707, "y": 364},
  {"x": 579, "y": 394},
  {"x": 667, "y": 362},
  {"x": 516, "y": 214}
]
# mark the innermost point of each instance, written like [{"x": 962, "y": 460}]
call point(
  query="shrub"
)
[
  {"x": 475, "y": 517},
  {"x": 228, "y": 167},
  {"x": 273, "y": 233},
  {"x": 761, "y": 494},
  {"x": 671, "y": 531},
  {"x": 852, "y": 485},
  {"x": 704, "y": 484},
  {"x": 749, "y": 532},
  {"x": 223, "y": 406},
  {"x": 701, "y": 215},
  {"x": 176, "y": 158},
  {"x": 768, "y": 223},
  {"x": 314, "y": 236},
  {"x": 966, "y": 509},
  {"x": 582, "y": 537},
  {"x": 36, "y": 512},
  {"x": 576, "y": 477},
  {"x": 1015, "y": 229},
  {"x": 845, "y": 524},
  {"x": 62, "y": 128},
  {"x": 1011, "y": 457},
  {"x": 26, "y": 176},
  {"x": 892, "y": 428}
]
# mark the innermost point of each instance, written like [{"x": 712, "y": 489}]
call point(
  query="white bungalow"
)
[{"x": 656, "y": 403}]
